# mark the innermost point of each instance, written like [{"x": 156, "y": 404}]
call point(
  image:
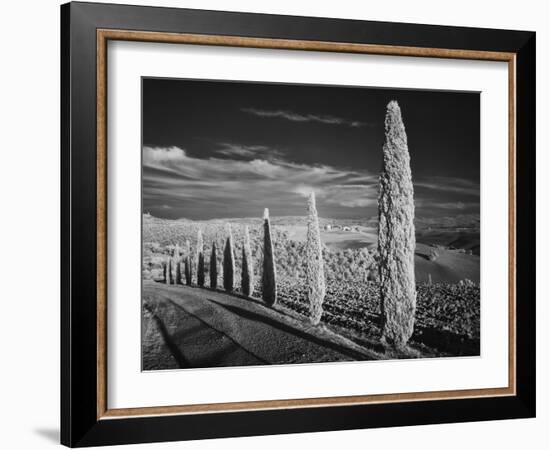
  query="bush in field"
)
[
  {"x": 269, "y": 278},
  {"x": 247, "y": 271},
  {"x": 228, "y": 262},
  {"x": 188, "y": 266},
  {"x": 200, "y": 259},
  {"x": 315, "y": 267},
  {"x": 213, "y": 267},
  {"x": 396, "y": 238}
]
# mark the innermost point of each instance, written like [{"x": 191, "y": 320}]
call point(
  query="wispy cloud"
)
[
  {"x": 215, "y": 184},
  {"x": 247, "y": 151},
  {"x": 297, "y": 117},
  {"x": 239, "y": 180},
  {"x": 435, "y": 204},
  {"x": 348, "y": 195},
  {"x": 449, "y": 184}
]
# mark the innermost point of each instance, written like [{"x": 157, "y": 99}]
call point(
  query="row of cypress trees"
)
[{"x": 178, "y": 271}]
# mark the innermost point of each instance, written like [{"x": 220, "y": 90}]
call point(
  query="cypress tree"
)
[
  {"x": 200, "y": 259},
  {"x": 170, "y": 271},
  {"x": 315, "y": 273},
  {"x": 175, "y": 264},
  {"x": 187, "y": 271},
  {"x": 228, "y": 262},
  {"x": 165, "y": 272},
  {"x": 269, "y": 279},
  {"x": 178, "y": 271},
  {"x": 247, "y": 273},
  {"x": 213, "y": 267},
  {"x": 188, "y": 267},
  {"x": 396, "y": 238}
]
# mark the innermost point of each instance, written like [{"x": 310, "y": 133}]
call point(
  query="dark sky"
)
[{"x": 214, "y": 149}]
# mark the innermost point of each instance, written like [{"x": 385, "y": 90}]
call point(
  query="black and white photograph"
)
[{"x": 294, "y": 223}]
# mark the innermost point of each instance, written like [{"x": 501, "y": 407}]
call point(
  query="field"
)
[{"x": 447, "y": 316}]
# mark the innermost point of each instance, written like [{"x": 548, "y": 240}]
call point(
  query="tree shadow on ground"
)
[
  {"x": 256, "y": 317},
  {"x": 177, "y": 341},
  {"x": 181, "y": 360}
]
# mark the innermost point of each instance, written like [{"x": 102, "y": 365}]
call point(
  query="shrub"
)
[{"x": 434, "y": 254}]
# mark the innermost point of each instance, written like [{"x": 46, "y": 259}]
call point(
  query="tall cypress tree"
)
[
  {"x": 228, "y": 262},
  {"x": 200, "y": 259},
  {"x": 247, "y": 273},
  {"x": 315, "y": 273},
  {"x": 178, "y": 271},
  {"x": 175, "y": 264},
  {"x": 170, "y": 271},
  {"x": 165, "y": 272},
  {"x": 188, "y": 266},
  {"x": 213, "y": 267},
  {"x": 269, "y": 277},
  {"x": 396, "y": 238}
]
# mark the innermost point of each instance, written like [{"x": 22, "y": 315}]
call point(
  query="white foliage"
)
[
  {"x": 396, "y": 238},
  {"x": 200, "y": 244},
  {"x": 315, "y": 267}
]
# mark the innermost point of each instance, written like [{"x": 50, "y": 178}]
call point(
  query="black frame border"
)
[{"x": 79, "y": 423}]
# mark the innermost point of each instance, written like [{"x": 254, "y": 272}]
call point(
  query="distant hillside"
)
[
  {"x": 467, "y": 239},
  {"x": 277, "y": 220},
  {"x": 350, "y": 246},
  {"x": 460, "y": 232}
]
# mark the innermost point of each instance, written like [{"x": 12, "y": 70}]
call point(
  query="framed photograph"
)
[{"x": 276, "y": 224}]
